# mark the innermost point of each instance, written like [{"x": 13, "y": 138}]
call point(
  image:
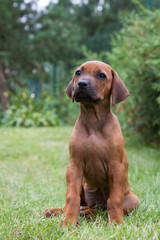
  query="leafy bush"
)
[
  {"x": 27, "y": 112},
  {"x": 135, "y": 56},
  {"x": 66, "y": 110}
]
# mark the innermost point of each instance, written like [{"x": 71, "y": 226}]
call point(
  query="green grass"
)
[{"x": 32, "y": 177}]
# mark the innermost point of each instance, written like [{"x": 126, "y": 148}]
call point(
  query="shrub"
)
[
  {"x": 135, "y": 56},
  {"x": 66, "y": 110},
  {"x": 27, "y": 112}
]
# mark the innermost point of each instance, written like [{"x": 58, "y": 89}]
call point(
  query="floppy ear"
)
[
  {"x": 68, "y": 91},
  {"x": 119, "y": 90}
]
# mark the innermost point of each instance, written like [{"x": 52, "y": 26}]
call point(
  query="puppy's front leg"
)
[
  {"x": 74, "y": 178},
  {"x": 117, "y": 177}
]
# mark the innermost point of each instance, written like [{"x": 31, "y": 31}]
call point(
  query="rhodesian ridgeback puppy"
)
[{"x": 97, "y": 174}]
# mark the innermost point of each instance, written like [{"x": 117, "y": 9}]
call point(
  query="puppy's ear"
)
[
  {"x": 119, "y": 90},
  {"x": 68, "y": 91}
]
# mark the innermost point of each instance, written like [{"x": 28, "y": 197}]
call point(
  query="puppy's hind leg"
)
[
  {"x": 85, "y": 211},
  {"x": 130, "y": 203}
]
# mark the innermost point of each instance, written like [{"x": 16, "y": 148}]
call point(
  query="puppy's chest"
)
[{"x": 95, "y": 158}]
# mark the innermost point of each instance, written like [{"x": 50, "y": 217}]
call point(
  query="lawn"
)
[{"x": 32, "y": 177}]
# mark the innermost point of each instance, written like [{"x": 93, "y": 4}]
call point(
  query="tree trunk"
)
[{"x": 3, "y": 89}]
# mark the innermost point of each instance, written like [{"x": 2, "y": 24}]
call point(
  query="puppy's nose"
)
[{"x": 83, "y": 83}]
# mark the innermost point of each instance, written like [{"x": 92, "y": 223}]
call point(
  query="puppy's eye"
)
[
  {"x": 102, "y": 75},
  {"x": 78, "y": 73}
]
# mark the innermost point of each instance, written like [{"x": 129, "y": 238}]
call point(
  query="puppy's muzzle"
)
[
  {"x": 85, "y": 91},
  {"x": 83, "y": 83}
]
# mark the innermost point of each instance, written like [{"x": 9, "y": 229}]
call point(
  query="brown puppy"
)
[{"x": 97, "y": 174}]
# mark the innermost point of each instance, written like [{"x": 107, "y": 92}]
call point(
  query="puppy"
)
[{"x": 97, "y": 174}]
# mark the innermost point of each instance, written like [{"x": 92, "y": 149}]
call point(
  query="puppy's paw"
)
[
  {"x": 49, "y": 212},
  {"x": 87, "y": 212}
]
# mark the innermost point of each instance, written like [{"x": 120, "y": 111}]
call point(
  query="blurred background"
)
[{"x": 42, "y": 42}]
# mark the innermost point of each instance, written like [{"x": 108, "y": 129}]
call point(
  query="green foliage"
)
[
  {"x": 89, "y": 55},
  {"x": 27, "y": 112},
  {"x": 135, "y": 56},
  {"x": 66, "y": 110},
  {"x": 51, "y": 37},
  {"x": 15, "y": 45},
  {"x": 58, "y": 34},
  {"x": 99, "y": 19}
]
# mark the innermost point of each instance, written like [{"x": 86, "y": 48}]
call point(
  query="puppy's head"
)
[{"x": 95, "y": 81}]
